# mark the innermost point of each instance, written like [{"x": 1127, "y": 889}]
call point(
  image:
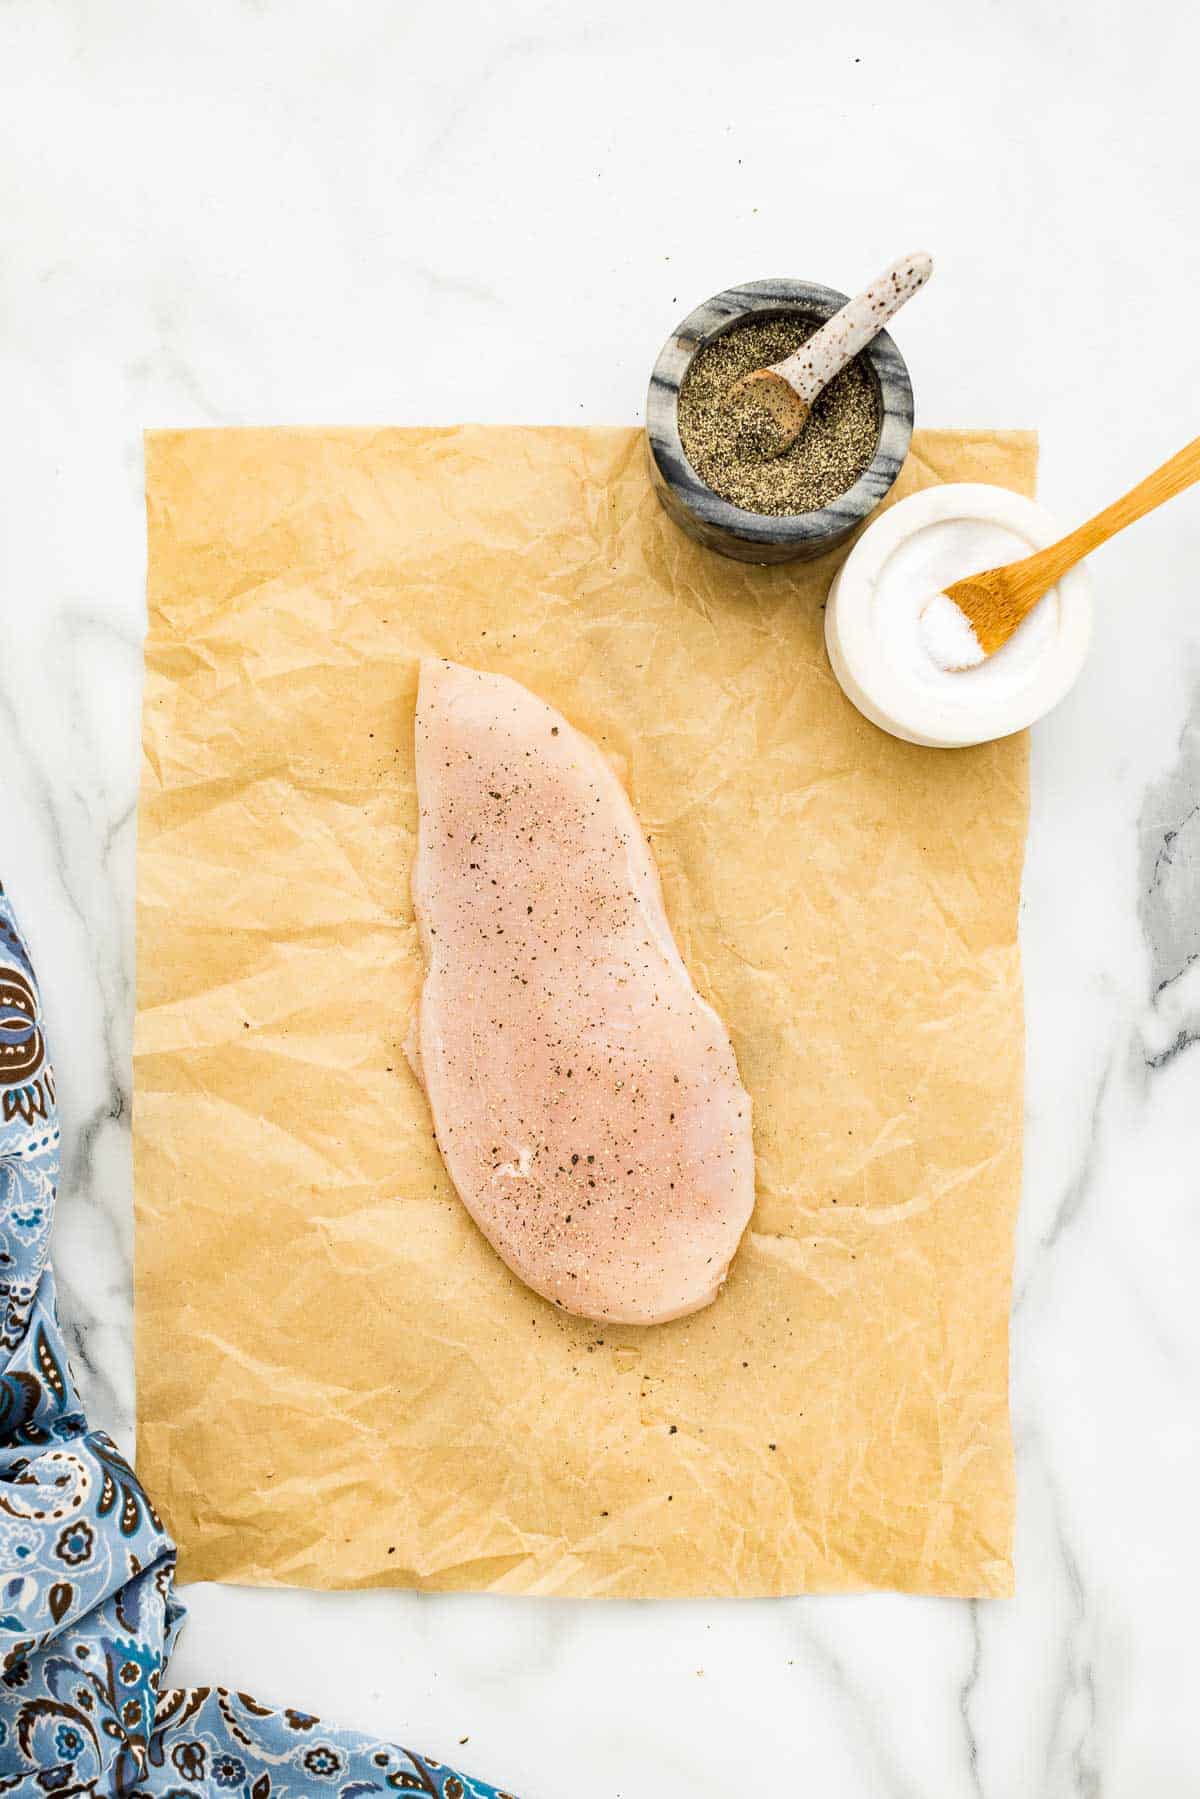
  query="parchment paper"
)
[{"x": 339, "y": 1383}]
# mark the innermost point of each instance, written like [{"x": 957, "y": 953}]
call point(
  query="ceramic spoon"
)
[
  {"x": 976, "y": 616},
  {"x": 774, "y": 402}
]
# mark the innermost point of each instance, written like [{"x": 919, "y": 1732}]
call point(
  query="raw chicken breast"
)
[{"x": 585, "y": 1098}]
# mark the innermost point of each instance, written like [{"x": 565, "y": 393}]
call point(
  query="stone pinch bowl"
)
[{"x": 757, "y": 536}]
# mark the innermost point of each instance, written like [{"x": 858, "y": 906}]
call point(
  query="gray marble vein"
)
[
  {"x": 1169, "y": 900},
  {"x": 966, "y": 1696}
]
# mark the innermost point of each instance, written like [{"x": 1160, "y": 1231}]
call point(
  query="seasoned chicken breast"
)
[{"x": 585, "y": 1097}]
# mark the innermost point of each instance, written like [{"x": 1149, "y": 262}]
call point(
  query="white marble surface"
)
[{"x": 289, "y": 211}]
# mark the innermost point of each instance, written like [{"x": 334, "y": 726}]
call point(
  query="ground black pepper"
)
[{"x": 837, "y": 444}]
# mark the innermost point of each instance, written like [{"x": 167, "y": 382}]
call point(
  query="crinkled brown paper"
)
[{"x": 339, "y": 1383}]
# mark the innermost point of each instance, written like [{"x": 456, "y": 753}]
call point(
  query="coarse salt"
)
[{"x": 948, "y": 635}]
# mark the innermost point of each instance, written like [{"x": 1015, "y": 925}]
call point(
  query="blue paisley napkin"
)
[{"x": 88, "y": 1613}]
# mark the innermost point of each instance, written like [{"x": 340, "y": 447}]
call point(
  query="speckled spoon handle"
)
[{"x": 812, "y": 367}]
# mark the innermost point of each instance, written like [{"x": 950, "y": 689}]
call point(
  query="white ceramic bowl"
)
[{"x": 916, "y": 549}]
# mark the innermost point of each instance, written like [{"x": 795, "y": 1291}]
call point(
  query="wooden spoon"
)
[
  {"x": 990, "y": 606},
  {"x": 772, "y": 404}
]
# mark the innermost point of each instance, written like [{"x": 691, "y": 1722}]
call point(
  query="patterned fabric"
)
[{"x": 88, "y": 1613}]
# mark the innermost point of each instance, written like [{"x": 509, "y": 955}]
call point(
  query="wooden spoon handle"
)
[
  {"x": 1040, "y": 571},
  {"x": 812, "y": 367}
]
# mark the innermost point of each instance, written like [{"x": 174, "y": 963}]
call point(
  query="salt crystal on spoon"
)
[{"x": 948, "y": 635}]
